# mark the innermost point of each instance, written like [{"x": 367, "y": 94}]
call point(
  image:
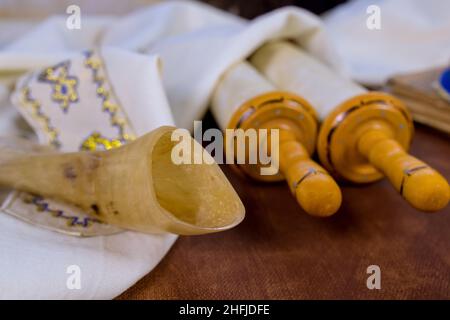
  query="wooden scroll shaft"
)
[
  {"x": 315, "y": 190},
  {"x": 423, "y": 187}
]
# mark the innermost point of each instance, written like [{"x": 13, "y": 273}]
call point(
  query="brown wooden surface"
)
[{"x": 279, "y": 252}]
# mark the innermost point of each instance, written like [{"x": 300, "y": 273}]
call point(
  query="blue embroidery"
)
[{"x": 72, "y": 220}]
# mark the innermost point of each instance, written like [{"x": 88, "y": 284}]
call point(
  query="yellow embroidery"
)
[
  {"x": 96, "y": 140},
  {"x": 36, "y": 112},
  {"x": 64, "y": 91},
  {"x": 64, "y": 86}
]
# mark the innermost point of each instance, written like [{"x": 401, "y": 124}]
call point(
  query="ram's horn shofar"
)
[{"x": 136, "y": 186}]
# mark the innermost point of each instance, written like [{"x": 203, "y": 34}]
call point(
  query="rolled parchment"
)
[
  {"x": 364, "y": 134},
  {"x": 137, "y": 186},
  {"x": 237, "y": 86},
  {"x": 243, "y": 99},
  {"x": 293, "y": 69}
]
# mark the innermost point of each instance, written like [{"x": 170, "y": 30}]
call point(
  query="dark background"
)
[{"x": 253, "y": 8}]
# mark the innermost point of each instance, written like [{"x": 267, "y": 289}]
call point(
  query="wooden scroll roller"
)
[
  {"x": 136, "y": 186},
  {"x": 364, "y": 134},
  {"x": 243, "y": 99}
]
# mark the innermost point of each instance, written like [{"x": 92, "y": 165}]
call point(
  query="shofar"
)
[
  {"x": 136, "y": 186},
  {"x": 364, "y": 134},
  {"x": 243, "y": 99}
]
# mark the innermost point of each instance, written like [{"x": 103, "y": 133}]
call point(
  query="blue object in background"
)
[
  {"x": 444, "y": 80},
  {"x": 443, "y": 85}
]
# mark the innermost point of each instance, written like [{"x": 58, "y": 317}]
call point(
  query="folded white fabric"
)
[
  {"x": 94, "y": 100},
  {"x": 50, "y": 42},
  {"x": 198, "y": 43},
  {"x": 414, "y": 35}
]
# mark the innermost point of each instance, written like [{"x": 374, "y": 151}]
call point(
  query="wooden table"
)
[{"x": 279, "y": 252}]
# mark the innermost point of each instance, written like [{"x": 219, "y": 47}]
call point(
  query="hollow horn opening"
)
[{"x": 194, "y": 194}]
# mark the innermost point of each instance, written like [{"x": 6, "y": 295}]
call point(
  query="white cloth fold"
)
[
  {"x": 34, "y": 261},
  {"x": 414, "y": 35},
  {"x": 198, "y": 43}
]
